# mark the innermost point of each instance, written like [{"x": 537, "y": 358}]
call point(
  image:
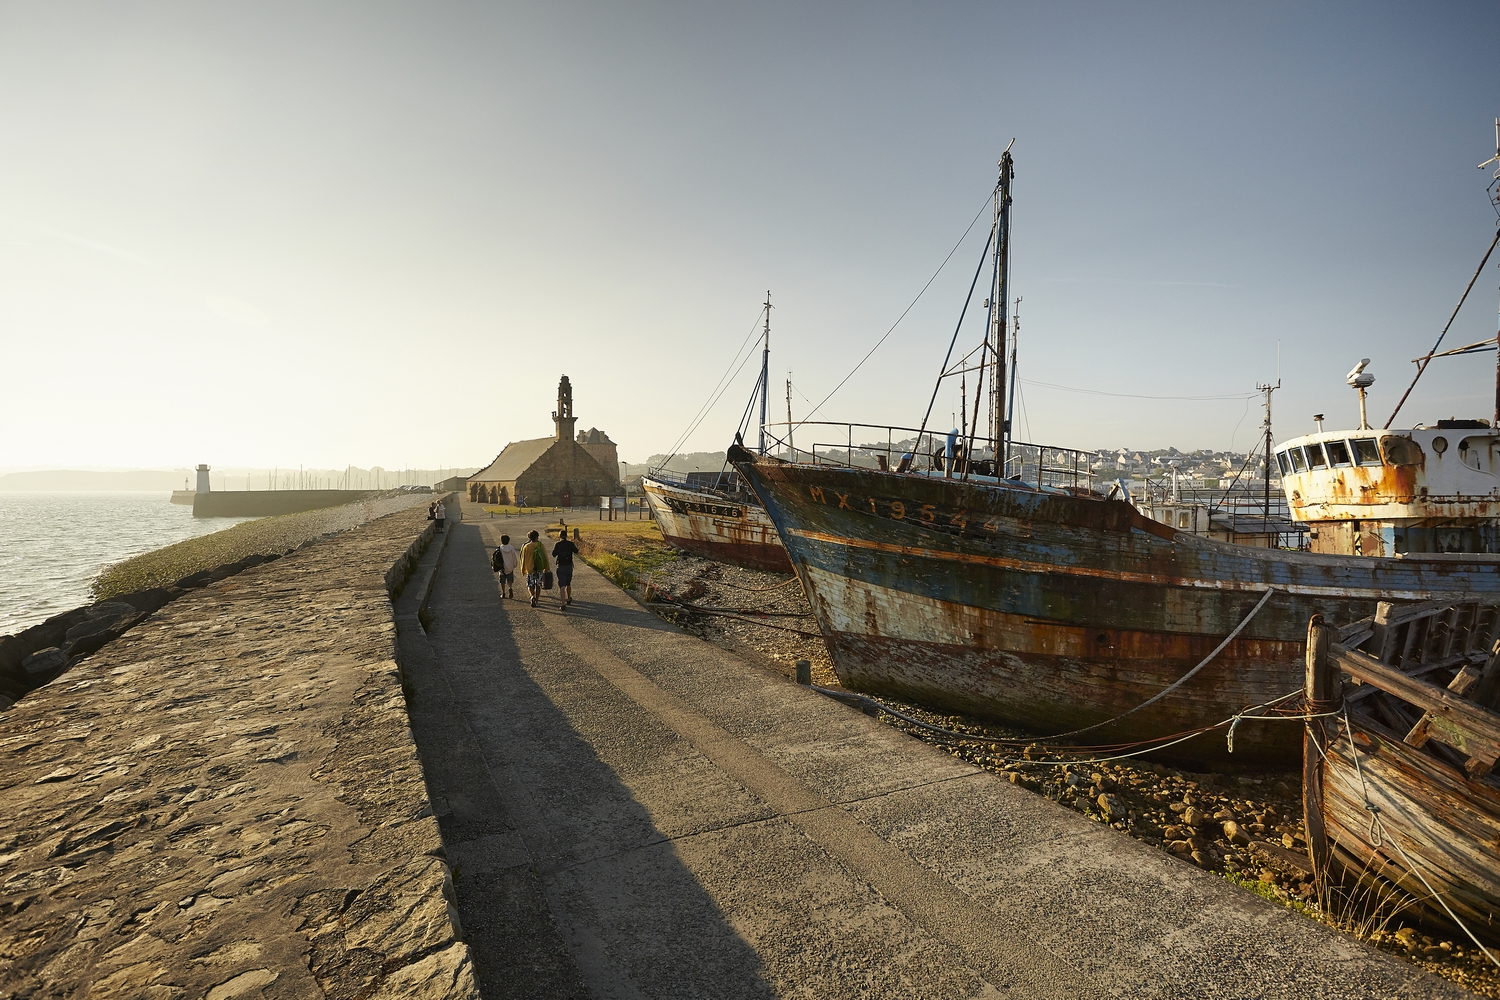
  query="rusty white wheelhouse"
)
[{"x": 1379, "y": 492}]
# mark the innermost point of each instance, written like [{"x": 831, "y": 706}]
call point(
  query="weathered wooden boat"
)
[
  {"x": 731, "y": 526},
  {"x": 1401, "y": 741},
  {"x": 987, "y": 576},
  {"x": 1054, "y": 608},
  {"x": 722, "y": 519}
]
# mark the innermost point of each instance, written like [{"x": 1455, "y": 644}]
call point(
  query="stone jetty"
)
[
  {"x": 245, "y": 796},
  {"x": 226, "y": 800}
]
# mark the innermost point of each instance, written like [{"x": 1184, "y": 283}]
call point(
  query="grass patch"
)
[{"x": 623, "y": 551}]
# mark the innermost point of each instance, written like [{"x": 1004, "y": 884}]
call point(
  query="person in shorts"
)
[
  {"x": 534, "y": 564},
  {"x": 562, "y": 554},
  {"x": 507, "y": 556}
]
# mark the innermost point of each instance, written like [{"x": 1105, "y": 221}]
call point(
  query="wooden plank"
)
[
  {"x": 1384, "y": 641},
  {"x": 1465, "y": 679},
  {"x": 1460, "y": 724},
  {"x": 1449, "y": 632},
  {"x": 1322, "y": 687},
  {"x": 1351, "y": 635}
]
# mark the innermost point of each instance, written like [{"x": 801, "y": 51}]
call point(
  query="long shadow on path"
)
[{"x": 565, "y": 884}]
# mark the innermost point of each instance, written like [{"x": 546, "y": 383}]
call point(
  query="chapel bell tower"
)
[{"x": 563, "y": 417}]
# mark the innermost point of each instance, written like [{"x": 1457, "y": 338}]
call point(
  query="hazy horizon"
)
[{"x": 376, "y": 235}]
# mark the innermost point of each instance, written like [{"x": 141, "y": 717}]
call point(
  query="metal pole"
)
[{"x": 765, "y": 373}]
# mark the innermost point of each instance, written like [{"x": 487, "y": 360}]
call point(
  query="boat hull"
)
[
  {"x": 1055, "y": 611},
  {"x": 1447, "y": 824},
  {"x": 714, "y": 527}
]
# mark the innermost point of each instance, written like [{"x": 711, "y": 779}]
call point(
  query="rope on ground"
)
[
  {"x": 1378, "y": 836},
  {"x": 1146, "y": 746},
  {"x": 694, "y": 609},
  {"x": 759, "y": 590}
]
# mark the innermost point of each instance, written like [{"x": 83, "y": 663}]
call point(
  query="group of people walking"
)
[
  {"x": 532, "y": 561},
  {"x": 437, "y": 511}
]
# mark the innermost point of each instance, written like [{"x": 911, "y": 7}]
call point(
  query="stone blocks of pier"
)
[{"x": 227, "y": 801}]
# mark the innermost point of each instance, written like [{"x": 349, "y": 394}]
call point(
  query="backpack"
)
[{"x": 497, "y": 560}]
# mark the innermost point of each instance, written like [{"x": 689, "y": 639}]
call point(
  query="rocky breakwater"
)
[{"x": 226, "y": 800}]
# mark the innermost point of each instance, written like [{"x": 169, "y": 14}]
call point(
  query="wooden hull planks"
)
[
  {"x": 716, "y": 527},
  {"x": 1447, "y": 824},
  {"x": 1054, "y": 611}
]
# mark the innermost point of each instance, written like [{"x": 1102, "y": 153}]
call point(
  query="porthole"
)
[{"x": 1440, "y": 444}]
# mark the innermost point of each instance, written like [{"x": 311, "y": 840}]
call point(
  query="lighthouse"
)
[{"x": 202, "y": 479}]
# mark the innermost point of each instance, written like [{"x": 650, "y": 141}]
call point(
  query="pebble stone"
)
[{"x": 226, "y": 801}]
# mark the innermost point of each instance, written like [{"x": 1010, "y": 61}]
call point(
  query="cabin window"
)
[
  {"x": 1284, "y": 462},
  {"x": 1365, "y": 451},
  {"x": 1315, "y": 457},
  {"x": 1401, "y": 450},
  {"x": 1184, "y": 519},
  {"x": 1299, "y": 464},
  {"x": 1338, "y": 454}
]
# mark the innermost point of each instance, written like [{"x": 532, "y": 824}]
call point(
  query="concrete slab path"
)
[{"x": 631, "y": 812}]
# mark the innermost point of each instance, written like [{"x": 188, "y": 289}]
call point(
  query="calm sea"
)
[{"x": 53, "y": 544}]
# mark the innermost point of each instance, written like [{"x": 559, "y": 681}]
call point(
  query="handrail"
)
[{"x": 1024, "y": 462}]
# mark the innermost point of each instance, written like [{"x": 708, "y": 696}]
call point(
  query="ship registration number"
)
[
  {"x": 928, "y": 515},
  {"x": 695, "y": 507}
]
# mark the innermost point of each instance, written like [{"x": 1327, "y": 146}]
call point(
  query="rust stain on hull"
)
[
  {"x": 717, "y": 527},
  {"x": 1057, "y": 611}
]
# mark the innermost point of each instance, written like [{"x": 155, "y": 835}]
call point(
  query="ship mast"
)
[
  {"x": 765, "y": 375},
  {"x": 1269, "y": 444},
  {"x": 999, "y": 319}
]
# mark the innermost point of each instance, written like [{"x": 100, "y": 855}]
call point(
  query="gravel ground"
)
[
  {"x": 1247, "y": 827},
  {"x": 264, "y": 536}
]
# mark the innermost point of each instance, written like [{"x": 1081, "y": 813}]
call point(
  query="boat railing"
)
[{"x": 910, "y": 449}]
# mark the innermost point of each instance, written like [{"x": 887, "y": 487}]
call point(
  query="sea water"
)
[{"x": 52, "y": 545}]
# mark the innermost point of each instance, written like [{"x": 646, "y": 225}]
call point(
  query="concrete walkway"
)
[{"x": 630, "y": 812}]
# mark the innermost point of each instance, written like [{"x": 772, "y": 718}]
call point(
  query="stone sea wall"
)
[
  {"x": 226, "y": 800},
  {"x": 135, "y": 588}
]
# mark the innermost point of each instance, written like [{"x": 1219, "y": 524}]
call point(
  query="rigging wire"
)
[
  {"x": 909, "y": 308},
  {"x": 717, "y": 391},
  {"x": 1423, "y": 362},
  {"x": 1133, "y": 395}
]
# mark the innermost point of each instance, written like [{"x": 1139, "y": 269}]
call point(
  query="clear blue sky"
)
[{"x": 264, "y": 234}]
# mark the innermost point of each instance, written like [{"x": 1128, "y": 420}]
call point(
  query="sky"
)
[{"x": 376, "y": 234}]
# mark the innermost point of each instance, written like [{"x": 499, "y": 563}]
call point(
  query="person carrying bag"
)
[{"x": 534, "y": 565}]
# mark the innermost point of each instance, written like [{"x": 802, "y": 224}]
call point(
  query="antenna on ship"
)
[{"x": 1361, "y": 380}]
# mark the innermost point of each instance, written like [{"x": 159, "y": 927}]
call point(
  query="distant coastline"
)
[{"x": 69, "y": 481}]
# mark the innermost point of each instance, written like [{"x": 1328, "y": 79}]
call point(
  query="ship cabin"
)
[{"x": 1430, "y": 489}]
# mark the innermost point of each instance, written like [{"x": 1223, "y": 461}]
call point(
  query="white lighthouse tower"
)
[{"x": 202, "y": 479}]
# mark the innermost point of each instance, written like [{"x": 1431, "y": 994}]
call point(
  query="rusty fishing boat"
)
[
  {"x": 1403, "y": 731},
  {"x": 989, "y": 576},
  {"x": 718, "y": 517}
]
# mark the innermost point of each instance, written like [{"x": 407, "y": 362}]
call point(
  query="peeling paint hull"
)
[
  {"x": 716, "y": 527},
  {"x": 1055, "y": 611}
]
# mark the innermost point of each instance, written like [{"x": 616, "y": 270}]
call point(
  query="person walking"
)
[
  {"x": 504, "y": 562},
  {"x": 441, "y": 513},
  {"x": 562, "y": 554},
  {"x": 534, "y": 564}
]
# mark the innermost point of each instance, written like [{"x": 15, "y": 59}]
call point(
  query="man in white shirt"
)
[{"x": 504, "y": 561}]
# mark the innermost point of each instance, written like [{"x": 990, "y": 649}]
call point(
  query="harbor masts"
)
[
  {"x": 999, "y": 318},
  {"x": 765, "y": 373}
]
